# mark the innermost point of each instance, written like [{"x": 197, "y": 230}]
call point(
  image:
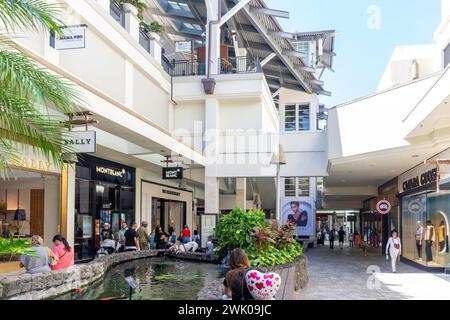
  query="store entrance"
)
[{"x": 168, "y": 212}]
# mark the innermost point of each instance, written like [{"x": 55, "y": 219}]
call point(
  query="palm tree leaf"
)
[
  {"x": 23, "y": 125},
  {"x": 21, "y": 75},
  {"x": 29, "y": 15}
]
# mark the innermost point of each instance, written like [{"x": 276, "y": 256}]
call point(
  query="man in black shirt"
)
[{"x": 131, "y": 238}]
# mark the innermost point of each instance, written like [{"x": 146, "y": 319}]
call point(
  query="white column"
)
[
  {"x": 105, "y": 4},
  {"x": 131, "y": 20},
  {"x": 241, "y": 193},
  {"x": 129, "y": 84},
  {"x": 155, "y": 46},
  {"x": 211, "y": 151},
  {"x": 68, "y": 229},
  {"x": 213, "y": 36}
]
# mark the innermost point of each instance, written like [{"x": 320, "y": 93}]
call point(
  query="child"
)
[
  {"x": 210, "y": 245},
  {"x": 196, "y": 238}
]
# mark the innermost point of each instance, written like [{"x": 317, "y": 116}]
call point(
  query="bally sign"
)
[
  {"x": 82, "y": 141},
  {"x": 72, "y": 37},
  {"x": 172, "y": 173}
]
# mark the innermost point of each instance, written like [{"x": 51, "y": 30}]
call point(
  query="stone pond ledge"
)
[
  {"x": 48, "y": 285},
  {"x": 195, "y": 256},
  {"x": 296, "y": 270}
]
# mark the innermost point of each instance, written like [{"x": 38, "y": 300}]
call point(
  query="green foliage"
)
[
  {"x": 153, "y": 27},
  {"x": 11, "y": 246},
  {"x": 26, "y": 89},
  {"x": 265, "y": 245},
  {"x": 271, "y": 255},
  {"x": 140, "y": 5},
  {"x": 234, "y": 229}
]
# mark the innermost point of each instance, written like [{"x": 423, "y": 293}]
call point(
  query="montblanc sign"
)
[
  {"x": 81, "y": 141},
  {"x": 175, "y": 173}
]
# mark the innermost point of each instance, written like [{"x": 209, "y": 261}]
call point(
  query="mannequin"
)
[
  {"x": 442, "y": 235},
  {"x": 429, "y": 240},
  {"x": 419, "y": 238}
]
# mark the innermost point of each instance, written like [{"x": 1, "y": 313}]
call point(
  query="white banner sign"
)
[
  {"x": 183, "y": 46},
  {"x": 82, "y": 141},
  {"x": 72, "y": 37}
]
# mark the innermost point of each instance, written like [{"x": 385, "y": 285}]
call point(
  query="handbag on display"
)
[{"x": 20, "y": 215}]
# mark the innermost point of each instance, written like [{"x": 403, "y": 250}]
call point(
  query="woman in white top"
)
[{"x": 394, "y": 249}]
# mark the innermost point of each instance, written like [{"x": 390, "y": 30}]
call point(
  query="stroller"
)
[{"x": 107, "y": 247}]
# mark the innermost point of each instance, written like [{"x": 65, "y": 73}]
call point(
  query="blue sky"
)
[{"x": 362, "y": 52}]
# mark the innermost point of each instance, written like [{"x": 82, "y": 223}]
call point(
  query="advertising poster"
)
[{"x": 301, "y": 213}]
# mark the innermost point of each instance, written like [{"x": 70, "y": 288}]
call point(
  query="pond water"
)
[{"x": 158, "y": 279}]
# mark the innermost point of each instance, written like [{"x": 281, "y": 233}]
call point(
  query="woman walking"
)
[{"x": 393, "y": 249}]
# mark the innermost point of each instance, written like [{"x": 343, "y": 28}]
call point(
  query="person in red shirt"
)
[{"x": 186, "y": 234}]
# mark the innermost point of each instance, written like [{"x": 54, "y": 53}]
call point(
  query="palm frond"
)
[
  {"x": 23, "y": 124},
  {"x": 32, "y": 15},
  {"x": 21, "y": 75},
  {"x": 11, "y": 246}
]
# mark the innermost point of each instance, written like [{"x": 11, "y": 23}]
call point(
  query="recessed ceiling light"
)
[
  {"x": 343, "y": 181},
  {"x": 393, "y": 171}
]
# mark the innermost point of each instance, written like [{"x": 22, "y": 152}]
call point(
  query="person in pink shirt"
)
[{"x": 64, "y": 253}]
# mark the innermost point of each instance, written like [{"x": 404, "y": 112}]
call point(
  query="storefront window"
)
[
  {"x": 104, "y": 193},
  {"x": 425, "y": 227}
]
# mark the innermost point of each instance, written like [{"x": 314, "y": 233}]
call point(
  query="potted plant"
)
[
  {"x": 225, "y": 66},
  {"x": 135, "y": 6},
  {"x": 154, "y": 30}
]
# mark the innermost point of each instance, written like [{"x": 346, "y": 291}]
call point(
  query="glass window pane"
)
[
  {"x": 303, "y": 118},
  {"x": 289, "y": 187},
  {"x": 290, "y": 118},
  {"x": 303, "y": 187}
]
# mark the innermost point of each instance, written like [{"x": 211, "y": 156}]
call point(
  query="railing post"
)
[{"x": 131, "y": 20}]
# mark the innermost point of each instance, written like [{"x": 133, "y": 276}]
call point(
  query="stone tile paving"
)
[{"x": 347, "y": 275}]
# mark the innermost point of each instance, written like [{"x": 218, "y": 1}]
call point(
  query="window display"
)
[{"x": 425, "y": 228}]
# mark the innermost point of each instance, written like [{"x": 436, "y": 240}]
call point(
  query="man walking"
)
[
  {"x": 331, "y": 238},
  {"x": 143, "y": 236},
  {"x": 341, "y": 235},
  {"x": 131, "y": 238}
]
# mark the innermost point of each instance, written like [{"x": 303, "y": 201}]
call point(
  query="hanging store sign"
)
[
  {"x": 175, "y": 173},
  {"x": 421, "y": 180},
  {"x": 72, "y": 37},
  {"x": 384, "y": 207},
  {"x": 183, "y": 46},
  {"x": 82, "y": 141}
]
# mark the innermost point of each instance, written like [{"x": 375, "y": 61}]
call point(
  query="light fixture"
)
[{"x": 415, "y": 156}]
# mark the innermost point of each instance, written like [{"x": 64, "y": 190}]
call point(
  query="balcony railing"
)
[
  {"x": 184, "y": 68},
  {"x": 116, "y": 11},
  {"x": 167, "y": 66},
  {"x": 239, "y": 65},
  {"x": 144, "y": 40}
]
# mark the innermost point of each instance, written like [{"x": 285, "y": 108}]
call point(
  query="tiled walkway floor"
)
[{"x": 347, "y": 275}]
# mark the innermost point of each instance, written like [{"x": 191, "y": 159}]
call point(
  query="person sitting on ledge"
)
[
  {"x": 191, "y": 246},
  {"x": 40, "y": 261}
]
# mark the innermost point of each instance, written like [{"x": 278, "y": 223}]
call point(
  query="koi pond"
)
[{"x": 160, "y": 278}]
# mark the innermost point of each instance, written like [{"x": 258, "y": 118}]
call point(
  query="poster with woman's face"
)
[{"x": 300, "y": 213}]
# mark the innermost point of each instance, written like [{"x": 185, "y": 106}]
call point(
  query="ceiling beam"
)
[
  {"x": 270, "y": 12},
  {"x": 267, "y": 59},
  {"x": 276, "y": 47},
  {"x": 241, "y": 4},
  {"x": 282, "y": 34}
]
